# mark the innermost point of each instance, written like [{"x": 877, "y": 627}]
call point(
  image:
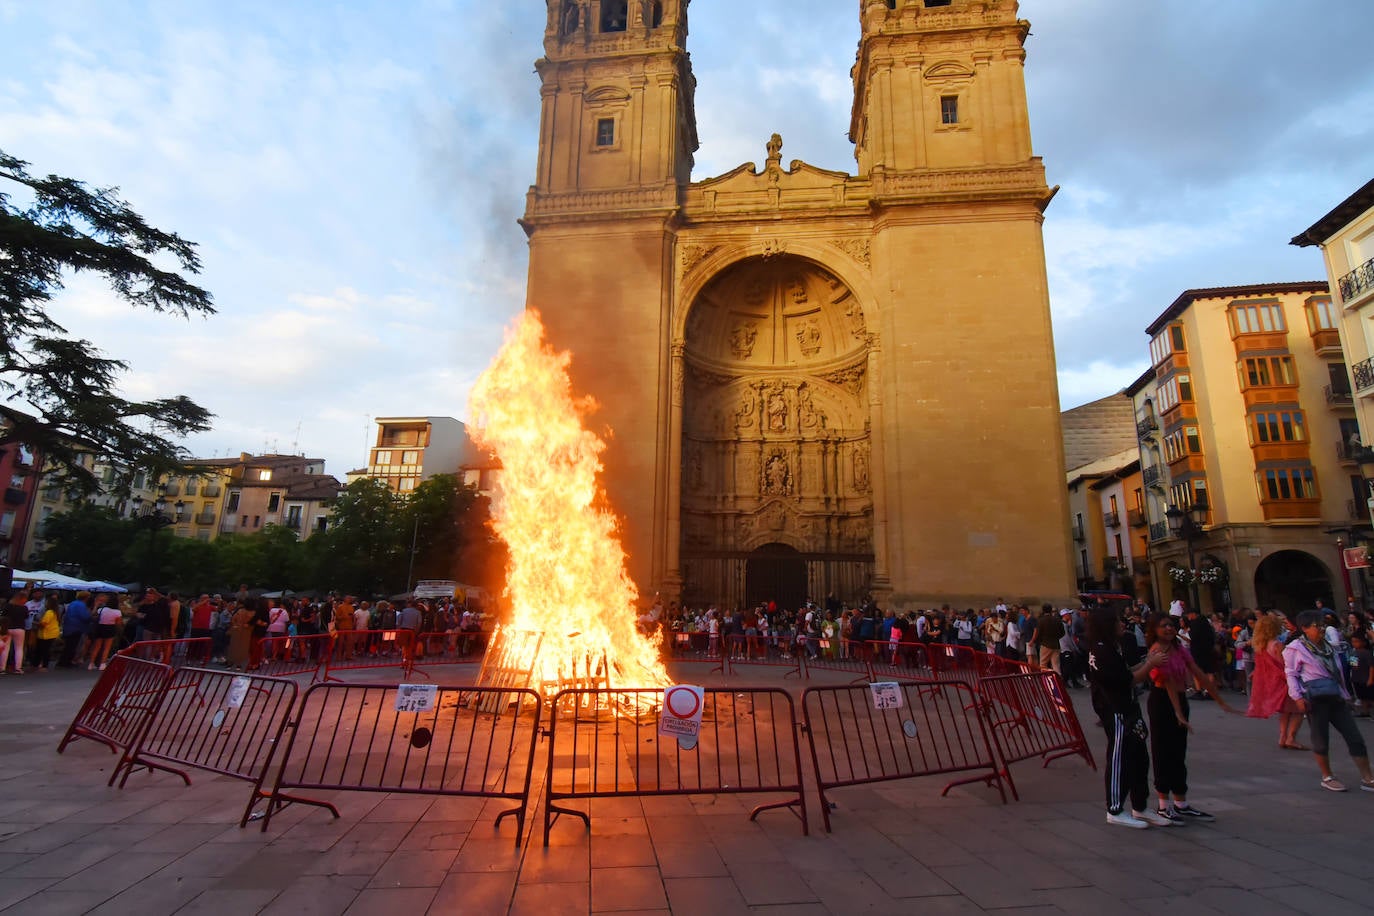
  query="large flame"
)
[{"x": 567, "y": 576}]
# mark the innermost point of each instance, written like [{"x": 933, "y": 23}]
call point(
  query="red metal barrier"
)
[
  {"x": 352, "y": 650},
  {"x": 288, "y": 656},
  {"x": 847, "y": 656},
  {"x": 988, "y": 665},
  {"x": 121, "y": 703},
  {"x": 604, "y": 743},
  {"x": 454, "y": 648},
  {"x": 351, "y": 737},
  {"x": 176, "y": 653},
  {"x": 1030, "y": 715},
  {"x": 953, "y": 663},
  {"x": 937, "y": 728},
  {"x": 889, "y": 661},
  {"x": 765, "y": 650},
  {"x": 695, "y": 647},
  {"x": 222, "y": 722}
]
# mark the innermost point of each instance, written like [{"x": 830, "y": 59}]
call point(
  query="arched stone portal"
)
[
  {"x": 775, "y": 572},
  {"x": 1292, "y": 580},
  {"x": 776, "y": 441}
]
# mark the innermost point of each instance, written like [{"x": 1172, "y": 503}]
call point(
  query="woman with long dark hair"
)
[
  {"x": 1316, "y": 682},
  {"x": 1168, "y": 713},
  {"x": 1112, "y": 685}
]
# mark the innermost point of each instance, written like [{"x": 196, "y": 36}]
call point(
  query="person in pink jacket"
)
[{"x": 1316, "y": 683}]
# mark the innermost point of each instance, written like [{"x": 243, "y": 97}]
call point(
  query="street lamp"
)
[
  {"x": 1188, "y": 526},
  {"x": 154, "y": 517}
]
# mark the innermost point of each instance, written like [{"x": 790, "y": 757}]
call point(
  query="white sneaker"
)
[
  {"x": 1126, "y": 820},
  {"x": 1155, "y": 819}
]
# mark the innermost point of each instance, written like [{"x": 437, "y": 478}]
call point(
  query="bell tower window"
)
[
  {"x": 656, "y": 14},
  {"x": 614, "y": 15}
]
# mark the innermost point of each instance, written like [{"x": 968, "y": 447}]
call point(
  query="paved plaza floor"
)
[{"x": 1280, "y": 844}]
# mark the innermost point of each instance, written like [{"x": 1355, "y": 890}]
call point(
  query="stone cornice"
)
[{"x": 613, "y": 203}]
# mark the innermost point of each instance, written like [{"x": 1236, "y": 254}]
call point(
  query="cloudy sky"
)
[{"x": 353, "y": 173}]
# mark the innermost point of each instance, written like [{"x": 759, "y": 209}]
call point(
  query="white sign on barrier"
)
[
  {"x": 886, "y": 695},
  {"x": 238, "y": 690},
  {"x": 416, "y": 697},
  {"x": 682, "y": 708}
]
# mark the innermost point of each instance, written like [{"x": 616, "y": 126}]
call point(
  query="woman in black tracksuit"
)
[{"x": 1112, "y": 684}]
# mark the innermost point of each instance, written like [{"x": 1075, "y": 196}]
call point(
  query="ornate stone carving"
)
[
  {"x": 742, "y": 339},
  {"x": 850, "y": 379},
  {"x": 744, "y": 414},
  {"x": 775, "y": 404},
  {"x": 858, "y": 249},
  {"x": 854, "y": 320},
  {"x": 756, "y": 293},
  {"x": 744, "y": 529},
  {"x": 861, "y": 480},
  {"x": 692, "y": 255},
  {"x": 774, "y": 518},
  {"x": 677, "y": 373},
  {"x": 694, "y": 477},
  {"x": 777, "y": 475},
  {"x": 809, "y": 416},
  {"x": 773, "y": 167},
  {"x": 773, "y": 247},
  {"x": 809, "y": 338},
  {"x": 798, "y": 288}
]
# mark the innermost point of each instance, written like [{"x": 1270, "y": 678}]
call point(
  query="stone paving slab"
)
[{"x": 70, "y": 845}]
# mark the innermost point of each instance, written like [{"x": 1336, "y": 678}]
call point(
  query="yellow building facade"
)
[
  {"x": 1248, "y": 422},
  {"x": 793, "y": 362}
]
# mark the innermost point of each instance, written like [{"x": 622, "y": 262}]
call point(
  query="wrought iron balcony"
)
[
  {"x": 1159, "y": 531},
  {"x": 1357, "y": 509},
  {"x": 1357, "y": 281},
  {"x": 1347, "y": 452},
  {"x": 1336, "y": 396},
  {"x": 1363, "y": 374},
  {"x": 1113, "y": 565},
  {"x": 204, "y": 518},
  {"x": 1144, "y": 427},
  {"x": 1111, "y": 519},
  {"x": 211, "y": 490},
  {"x": 1077, "y": 529},
  {"x": 171, "y": 489},
  {"x": 1135, "y": 518},
  {"x": 1150, "y": 476}
]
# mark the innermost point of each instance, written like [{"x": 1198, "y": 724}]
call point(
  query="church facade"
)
[{"x": 812, "y": 383}]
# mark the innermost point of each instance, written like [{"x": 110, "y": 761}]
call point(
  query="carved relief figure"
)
[
  {"x": 809, "y": 338},
  {"x": 798, "y": 290},
  {"x": 861, "y": 480},
  {"x": 777, "y": 475},
  {"x": 854, "y": 317},
  {"x": 777, "y": 410},
  {"x": 694, "y": 474},
  {"x": 742, "y": 339},
  {"x": 775, "y": 517}
]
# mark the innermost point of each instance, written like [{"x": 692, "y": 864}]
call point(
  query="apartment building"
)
[
  {"x": 18, "y": 472},
  {"x": 260, "y": 490},
  {"x": 408, "y": 450},
  {"x": 1248, "y": 448}
]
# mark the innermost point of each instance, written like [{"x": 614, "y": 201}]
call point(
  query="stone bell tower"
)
[
  {"x": 816, "y": 383},
  {"x": 617, "y": 134}
]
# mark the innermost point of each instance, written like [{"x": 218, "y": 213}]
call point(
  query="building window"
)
[
  {"x": 605, "y": 131},
  {"x": 293, "y": 517},
  {"x": 1287, "y": 483},
  {"x": 410, "y": 457},
  {"x": 191, "y": 486},
  {"x": 273, "y": 502},
  {"x": 1189, "y": 493},
  {"x": 1165, "y": 343},
  {"x": 1277, "y": 426},
  {"x": 1257, "y": 318},
  {"x": 1264, "y": 371},
  {"x": 383, "y": 457},
  {"x": 1322, "y": 315},
  {"x": 232, "y": 503},
  {"x": 1181, "y": 443},
  {"x": 656, "y": 14},
  {"x": 265, "y": 474},
  {"x": 406, "y": 484},
  {"x": 243, "y": 523},
  {"x": 949, "y": 109},
  {"x": 257, "y": 521}
]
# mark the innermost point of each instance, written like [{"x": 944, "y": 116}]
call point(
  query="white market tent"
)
[{"x": 46, "y": 578}]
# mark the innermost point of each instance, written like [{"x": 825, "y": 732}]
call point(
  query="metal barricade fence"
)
[
  {"x": 604, "y": 743},
  {"x": 352, "y": 650},
  {"x": 223, "y": 722},
  {"x": 176, "y": 653},
  {"x": 352, "y": 737},
  {"x": 952, "y": 663},
  {"x": 696, "y": 647},
  {"x": 455, "y": 648},
  {"x": 1030, "y": 715},
  {"x": 764, "y": 650},
  {"x": 847, "y": 656},
  {"x": 986, "y": 664},
  {"x": 936, "y": 729},
  {"x": 120, "y": 704},
  {"x": 288, "y": 656},
  {"x": 898, "y": 661}
]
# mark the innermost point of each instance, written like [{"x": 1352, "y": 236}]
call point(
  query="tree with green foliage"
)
[
  {"x": 63, "y": 227},
  {"x": 93, "y": 538}
]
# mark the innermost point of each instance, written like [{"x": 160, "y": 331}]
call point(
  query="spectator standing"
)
[
  {"x": 76, "y": 622},
  {"x": 1316, "y": 683},
  {"x": 107, "y": 618},
  {"x": 1049, "y": 630},
  {"x": 1269, "y": 688},
  {"x": 16, "y": 615},
  {"x": 155, "y": 615},
  {"x": 46, "y": 631}
]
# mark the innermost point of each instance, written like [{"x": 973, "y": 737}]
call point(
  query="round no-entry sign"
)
[
  {"x": 682, "y": 708},
  {"x": 682, "y": 702}
]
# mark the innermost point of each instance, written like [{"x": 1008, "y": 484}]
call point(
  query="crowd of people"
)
[{"x": 42, "y": 631}]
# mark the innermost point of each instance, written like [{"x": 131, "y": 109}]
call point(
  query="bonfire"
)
[{"x": 571, "y": 607}]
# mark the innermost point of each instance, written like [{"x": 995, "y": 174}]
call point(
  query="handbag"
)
[{"x": 1321, "y": 687}]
